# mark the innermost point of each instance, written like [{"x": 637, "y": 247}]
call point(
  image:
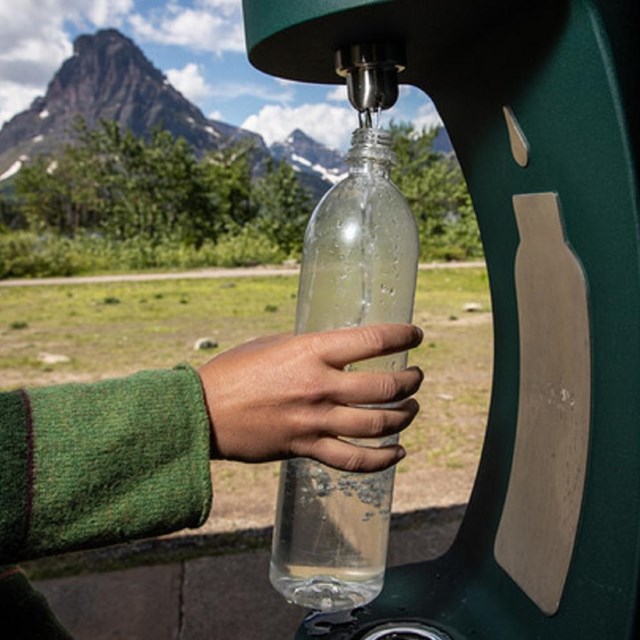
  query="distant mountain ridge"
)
[
  {"x": 109, "y": 78},
  {"x": 305, "y": 154}
]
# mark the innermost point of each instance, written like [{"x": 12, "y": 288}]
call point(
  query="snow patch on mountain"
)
[
  {"x": 12, "y": 170},
  {"x": 310, "y": 158},
  {"x": 300, "y": 160}
]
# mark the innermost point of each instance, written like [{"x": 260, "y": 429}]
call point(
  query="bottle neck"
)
[
  {"x": 371, "y": 152},
  {"x": 373, "y": 168}
]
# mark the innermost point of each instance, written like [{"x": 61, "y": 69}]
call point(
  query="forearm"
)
[{"x": 95, "y": 464}]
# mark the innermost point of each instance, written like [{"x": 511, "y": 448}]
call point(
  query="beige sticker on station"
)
[
  {"x": 537, "y": 530},
  {"x": 517, "y": 140}
]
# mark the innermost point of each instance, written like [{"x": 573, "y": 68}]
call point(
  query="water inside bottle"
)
[{"x": 333, "y": 528}]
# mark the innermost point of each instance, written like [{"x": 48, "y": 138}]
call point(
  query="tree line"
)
[{"x": 110, "y": 200}]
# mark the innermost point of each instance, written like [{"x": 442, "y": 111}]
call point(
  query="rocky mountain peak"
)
[
  {"x": 107, "y": 77},
  {"x": 306, "y": 154},
  {"x": 110, "y": 78}
]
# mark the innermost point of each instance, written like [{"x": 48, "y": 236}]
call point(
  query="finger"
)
[
  {"x": 361, "y": 422},
  {"x": 351, "y": 457},
  {"x": 344, "y": 346},
  {"x": 360, "y": 387}
]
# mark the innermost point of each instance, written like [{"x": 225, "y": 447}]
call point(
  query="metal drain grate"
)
[{"x": 405, "y": 631}]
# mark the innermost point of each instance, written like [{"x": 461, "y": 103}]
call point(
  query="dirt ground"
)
[{"x": 443, "y": 445}]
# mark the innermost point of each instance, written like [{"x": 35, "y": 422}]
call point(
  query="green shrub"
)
[
  {"x": 448, "y": 253},
  {"x": 27, "y": 255},
  {"x": 245, "y": 247}
]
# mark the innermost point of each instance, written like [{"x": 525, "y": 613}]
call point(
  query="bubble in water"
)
[
  {"x": 320, "y": 482},
  {"x": 387, "y": 290}
]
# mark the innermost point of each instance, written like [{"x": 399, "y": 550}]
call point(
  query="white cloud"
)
[
  {"x": 232, "y": 90},
  {"x": 427, "y": 117},
  {"x": 108, "y": 13},
  {"x": 216, "y": 115},
  {"x": 190, "y": 82},
  {"x": 14, "y": 98},
  {"x": 331, "y": 125},
  {"x": 338, "y": 94},
  {"x": 34, "y": 43},
  {"x": 284, "y": 82},
  {"x": 214, "y": 26},
  {"x": 32, "y": 60},
  {"x": 227, "y": 7}
]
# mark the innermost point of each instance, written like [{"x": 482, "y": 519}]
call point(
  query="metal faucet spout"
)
[{"x": 371, "y": 71}]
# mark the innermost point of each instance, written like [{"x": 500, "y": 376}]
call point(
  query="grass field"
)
[{"x": 107, "y": 330}]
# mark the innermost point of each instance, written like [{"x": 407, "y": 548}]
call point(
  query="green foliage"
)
[
  {"x": 111, "y": 201},
  {"x": 24, "y": 254},
  {"x": 10, "y": 215},
  {"x": 437, "y": 194},
  {"x": 283, "y": 208},
  {"x": 245, "y": 247},
  {"x": 227, "y": 175},
  {"x": 120, "y": 186}
]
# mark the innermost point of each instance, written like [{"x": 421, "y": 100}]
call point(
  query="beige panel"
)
[
  {"x": 517, "y": 140},
  {"x": 537, "y": 530}
]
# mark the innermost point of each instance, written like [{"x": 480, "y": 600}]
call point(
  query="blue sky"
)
[{"x": 199, "y": 45}]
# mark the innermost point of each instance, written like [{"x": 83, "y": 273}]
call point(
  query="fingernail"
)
[{"x": 400, "y": 454}]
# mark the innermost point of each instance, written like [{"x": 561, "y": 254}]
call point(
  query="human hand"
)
[{"x": 287, "y": 396}]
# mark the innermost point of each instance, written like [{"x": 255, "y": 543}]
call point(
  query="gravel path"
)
[{"x": 236, "y": 272}]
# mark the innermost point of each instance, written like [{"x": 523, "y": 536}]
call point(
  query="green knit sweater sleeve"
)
[{"x": 86, "y": 465}]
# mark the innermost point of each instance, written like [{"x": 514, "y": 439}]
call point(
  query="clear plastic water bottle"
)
[{"x": 359, "y": 267}]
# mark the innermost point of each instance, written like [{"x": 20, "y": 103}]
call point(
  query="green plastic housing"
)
[{"x": 568, "y": 71}]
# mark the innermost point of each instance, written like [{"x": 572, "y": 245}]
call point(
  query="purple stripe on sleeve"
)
[{"x": 10, "y": 571}]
